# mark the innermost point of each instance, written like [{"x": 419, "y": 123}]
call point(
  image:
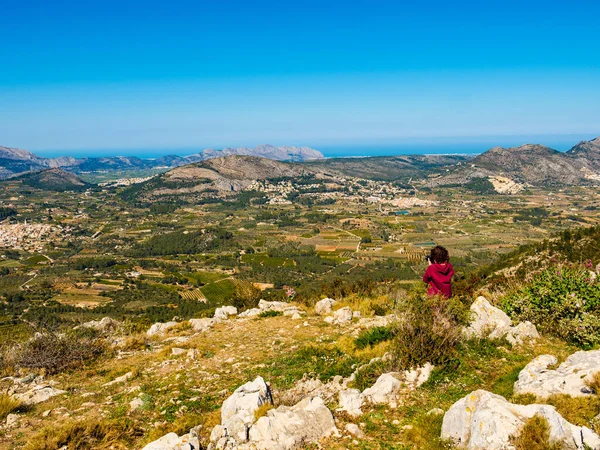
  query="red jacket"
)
[{"x": 439, "y": 279}]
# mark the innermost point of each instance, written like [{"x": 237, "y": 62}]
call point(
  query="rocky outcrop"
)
[
  {"x": 224, "y": 312},
  {"x": 493, "y": 323},
  {"x": 199, "y": 325},
  {"x": 38, "y": 394},
  {"x": 486, "y": 421},
  {"x": 171, "y": 441},
  {"x": 106, "y": 324},
  {"x": 341, "y": 316},
  {"x": 160, "y": 328},
  {"x": 323, "y": 307},
  {"x": 569, "y": 378}
]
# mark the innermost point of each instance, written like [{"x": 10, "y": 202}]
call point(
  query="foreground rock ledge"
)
[{"x": 486, "y": 421}]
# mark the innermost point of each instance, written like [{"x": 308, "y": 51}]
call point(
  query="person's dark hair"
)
[{"x": 439, "y": 255}]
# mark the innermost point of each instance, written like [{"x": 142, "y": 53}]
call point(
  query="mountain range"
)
[{"x": 16, "y": 161}]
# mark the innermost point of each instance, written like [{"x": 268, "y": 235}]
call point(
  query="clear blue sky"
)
[{"x": 132, "y": 76}]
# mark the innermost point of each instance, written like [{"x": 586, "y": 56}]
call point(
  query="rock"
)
[
  {"x": 136, "y": 403},
  {"x": 175, "y": 351},
  {"x": 38, "y": 394},
  {"x": 121, "y": 379},
  {"x": 254, "y": 312},
  {"x": 416, "y": 377},
  {"x": 342, "y": 315},
  {"x": 351, "y": 400},
  {"x": 323, "y": 307},
  {"x": 329, "y": 319},
  {"x": 290, "y": 311},
  {"x": 569, "y": 378},
  {"x": 264, "y": 305},
  {"x": 523, "y": 332},
  {"x": 486, "y": 421},
  {"x": 224, "y": 312},
  {"x": 435, "y": 412},
  {"x": 287, "y": 428},
  {"x": 171, "y": 441},
  {"x": 376, "y": 321},
  {"x": 105, "y": 324},
  {"x": 312, "y": 387},
  {"x": 355, "y": 430},
  {"x": 237, "y": 412},
  {"x": 12, "y": 420},
  {"x": 488, "y": 321},
  {"x": 296, "y": 316},
  {"x": 159, "y": 328},
  {"x": 204, "y": 324},
  {"x": 384, "y": 390},
  {"x": 356, "y": 314}
]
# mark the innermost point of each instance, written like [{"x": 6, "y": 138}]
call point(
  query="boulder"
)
[
  {"x": 486, "y": 421},
  {"x": 568, "y": 378},
  {"x": 351, "y": 400},
  {"x": 291, "y": 427},
  {"x": 38, "y": 394},
  {"x": 104, "y": 325},
  {"x": 224, "y": 312},
  {"x": 204, "y": 324},
  {"x": 523, "y": 332},
  {"x": 355, "y": 430},
  {"x": 159, "y": 328},
  {"x": 488, "y": 321},
  {"x": 323, "y": 307},
  {"x": 416, "y": 377},
  {"x": 342, "y": 315},
  {"x": 264, "y": 305},
  {"x": 376, "y": 321},
  {"x": 237, "y": 412},
  {"x": 384, "y": 390},
  {"x": 312, "y": 387},
  {"x": 254, "y": 312},
  {"x": 171, "y": 441}
]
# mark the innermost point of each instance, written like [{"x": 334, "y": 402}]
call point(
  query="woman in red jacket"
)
[{"x": 438, "y": 275}]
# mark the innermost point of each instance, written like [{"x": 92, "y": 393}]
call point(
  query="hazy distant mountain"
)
[
  {"x": 15, "y": 161},
  {"x": 530, "y": 164},
  {"x": 54, "y": 179}
]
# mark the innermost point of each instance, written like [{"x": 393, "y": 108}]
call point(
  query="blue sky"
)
[{"x": 348, "y": 77}]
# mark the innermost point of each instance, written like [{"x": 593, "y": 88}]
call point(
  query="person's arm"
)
[{"x": 427, "y": 276}]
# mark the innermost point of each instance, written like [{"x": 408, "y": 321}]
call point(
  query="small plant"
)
[
  {"x": 270, "y": 313},
  {"x": 262, "y": 410},
  {"x": 535, "y": 435},
  {"x": 8, "y": 405},
  {"x": 429, "y": 330},
  {"x": 373, "y": 336},
  {"x": 594, "y": 383}
]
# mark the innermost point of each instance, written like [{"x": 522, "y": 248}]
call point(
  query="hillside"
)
[
  {"x": 53, "y": 180},
  {"x": 531, "y": 164}
]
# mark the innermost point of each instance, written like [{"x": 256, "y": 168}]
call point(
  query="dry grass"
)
[
  {"x": 8, "y": 405},
  {"x": 594, "y": 383},
  {"x": 577, "y": 410},
  {"x": 535, "y": 435},
  {"x": 262, "y": 410}
]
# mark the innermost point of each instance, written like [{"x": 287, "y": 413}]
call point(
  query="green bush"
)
[
  {"x": 373, "y": 336},
  {"x": 563, "y": 301},
  {"x": 428, "y": 330},
  {"x": 270, "y": 313}
]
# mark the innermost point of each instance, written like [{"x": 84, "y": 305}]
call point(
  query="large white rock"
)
[
  {"x": 38, "y": 394},
  {"x": 237, "y": 412},
  {"x": 171, "y": 441},
  {"x": 485, "y": 421},
  {"x": 290, "y": 427},
  {"x": 323, "y": 307},
  {"x": 264, "y": 305},
  {"x": 351, "y": 400},
  {"x": 253, "y": 312},
  {"x": 225, "y": 311},
  {"x": 487, "y": 320},
  {"x": 159, "y": 328},
  {"x": 569, "y": 378},
  {"x": 416, "y": 377},
  {"x": 385, "y": 388},
  {"x": 104, "y": 324},
  {"x": 342, "y": 315},
  {"x": 202, "y": 324},
  {"x": 523, "y": 332}
]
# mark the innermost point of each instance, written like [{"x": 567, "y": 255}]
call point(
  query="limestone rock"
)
[
  {"x": 384, "y": 390},
  {"x": 121, "y": 379},
  {"x": 253, "y": 312},
  {"x": 135, "y": 404},
  {"x": 488, "y": 321},
  {"x": 104, "y": 325},
  {"x": 38, "y": 394},
  {"x": 323, "y": 307},
  {"x": 224, "y": 312},
  {"x": 204, "y": 324},
  {"x": 237, "y": 412},
  {"x": 312, "y": 387},
  {"x": 176, "y": 351},
  {"x": 342, "y": 315},
  {"x": 12, "y": 420},
  {"x": 486, "y": 421},
  {"x": 351, "y": 400},
  {"x": 376, "y": 321},
  {"x": 264, "y": 305},
  {"x": 355, "y": 430},
  {"x": 171, "y": 441},
  {"x": 159, "y": 328},
  {"x": 287, "y": 428},
  {"x": 416, "y": 377},
  {"x": 523, "y": 332},
  {"x": 569, "y": 378}
]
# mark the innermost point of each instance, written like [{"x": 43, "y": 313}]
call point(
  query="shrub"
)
[
  {"x": 373, "y": 336},
  {"x": 429, "y": 330},
  {"x": 246, "y": 295},
  {"x": 535, "y": 435},
  {"x": 54, "y": 352},
  {"x": 270, "y": 313},
  {"x": 563, "y": 301},
  {"x": 8, "y": 405}
]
